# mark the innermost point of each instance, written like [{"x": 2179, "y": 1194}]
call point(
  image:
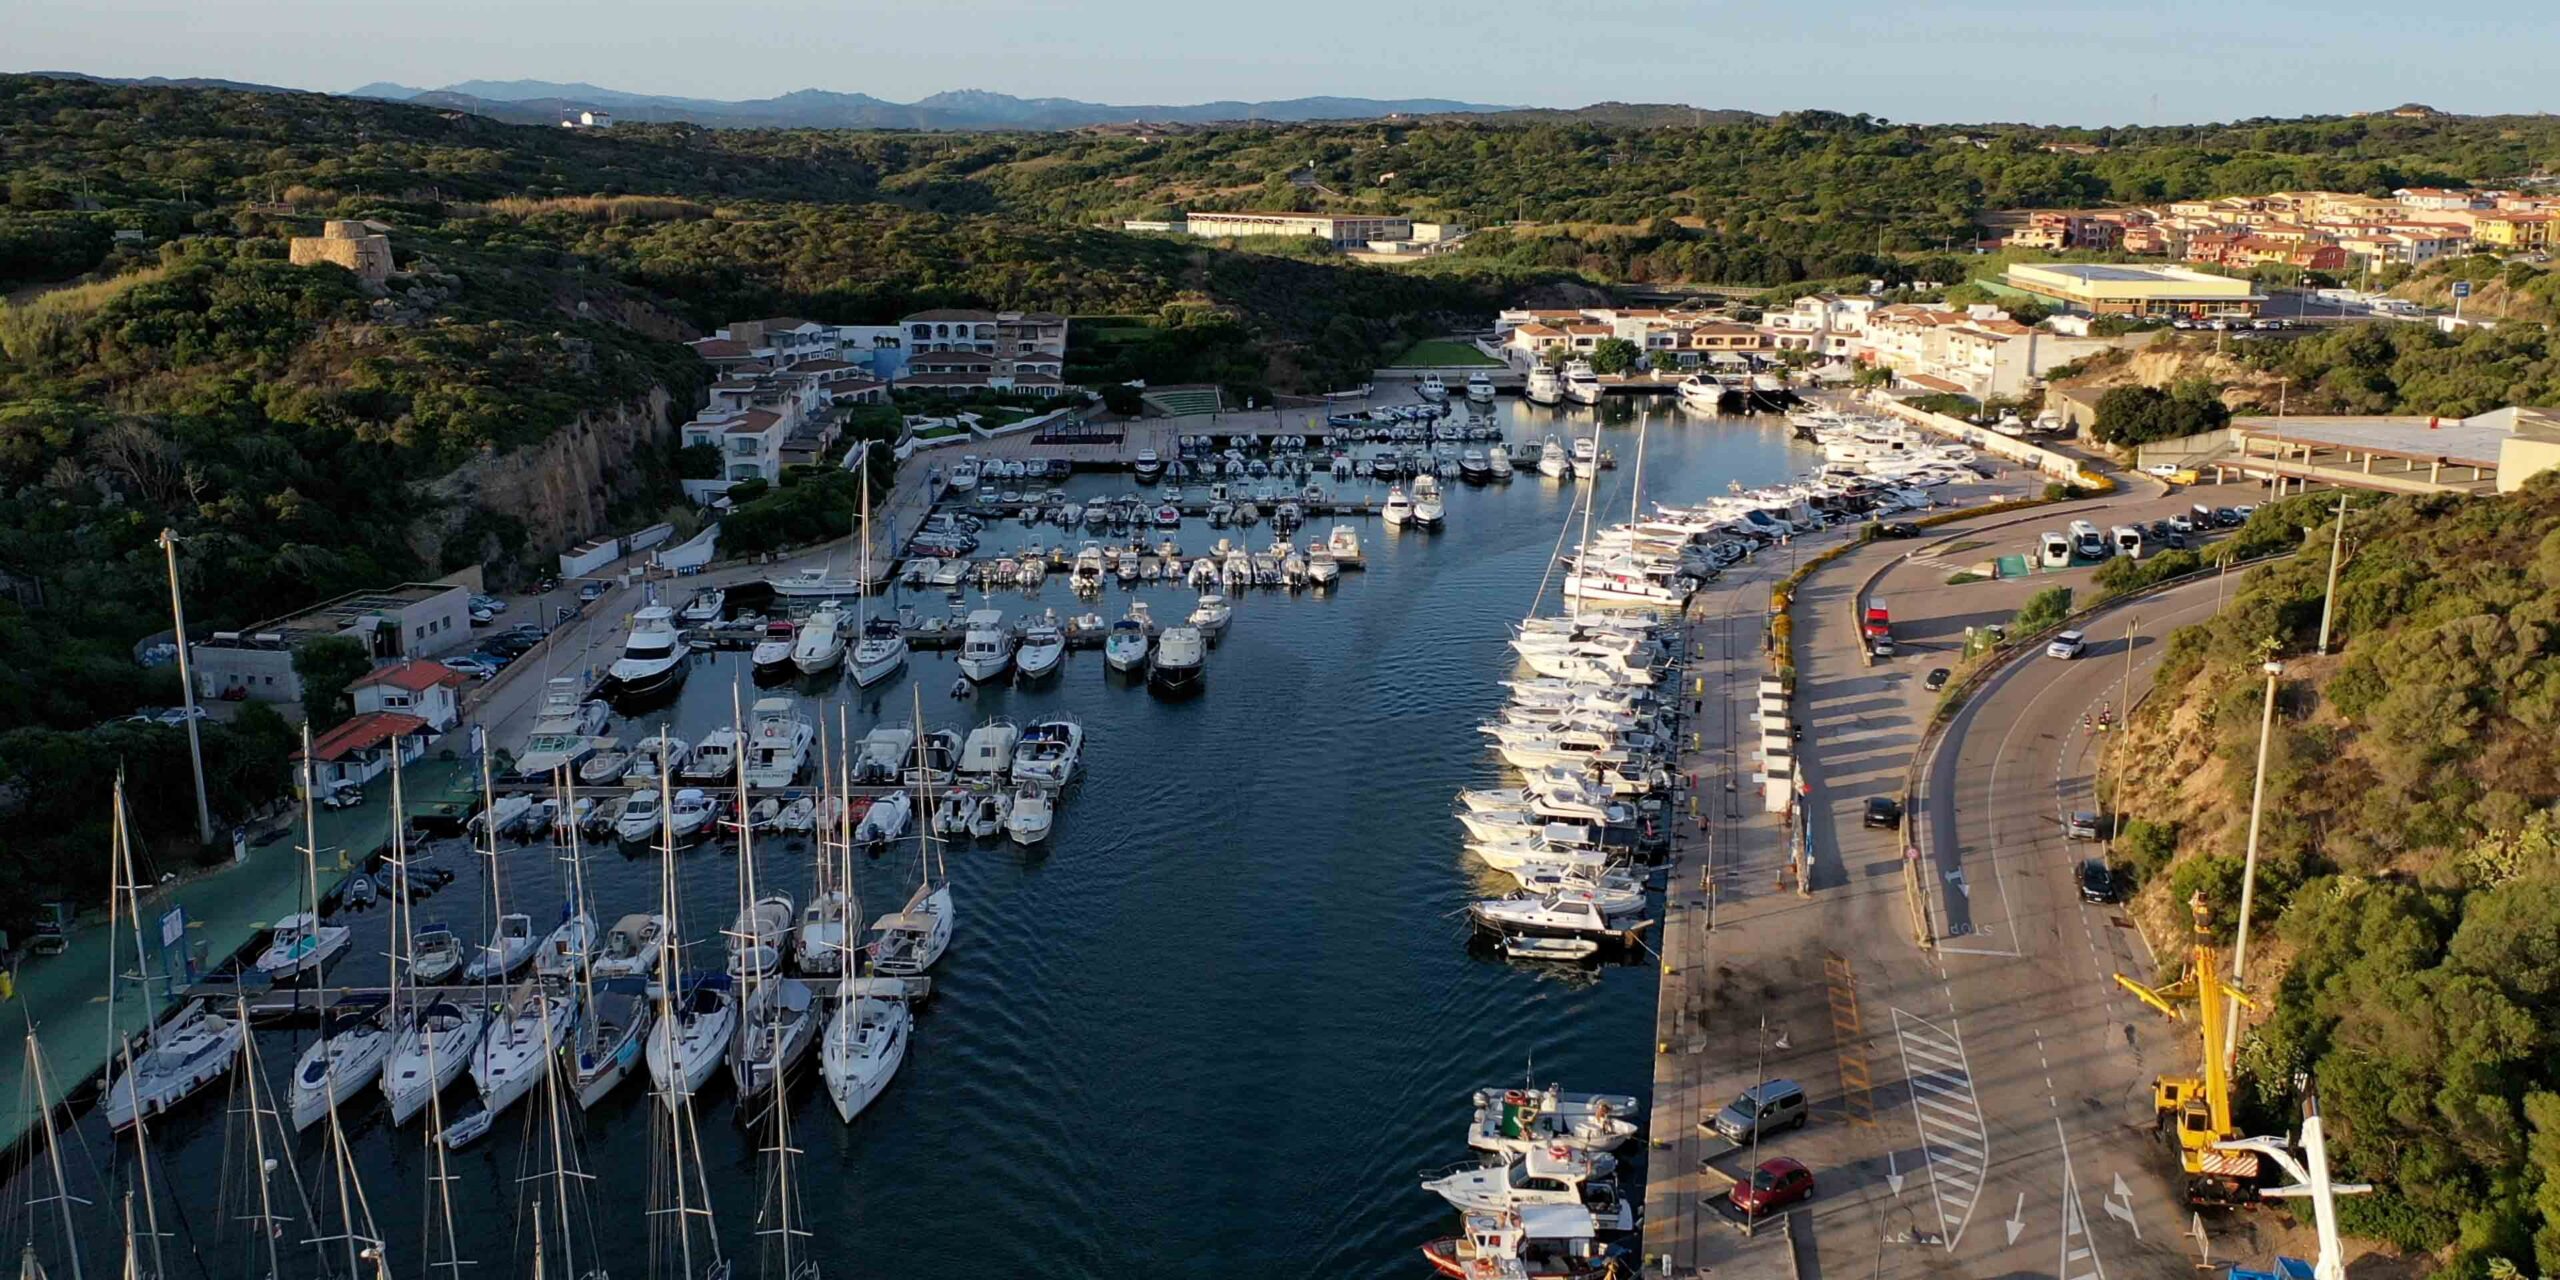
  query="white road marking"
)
[
  {"x": 1947, "y": 1115},
  {"x": 2079, "y": 1250}
]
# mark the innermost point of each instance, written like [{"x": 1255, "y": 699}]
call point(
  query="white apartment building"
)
[
  {"x": 1979, "y": 352},
  {"x": 1824, "y": 324}
]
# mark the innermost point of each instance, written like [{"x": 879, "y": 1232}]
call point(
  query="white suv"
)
[{"x": 2067, "y": 645}]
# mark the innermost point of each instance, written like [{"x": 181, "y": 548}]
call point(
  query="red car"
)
[{"x": 1774, "y": 1185}]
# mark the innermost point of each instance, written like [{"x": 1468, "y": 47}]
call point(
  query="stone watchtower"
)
[{"x": 350, "y": 244}]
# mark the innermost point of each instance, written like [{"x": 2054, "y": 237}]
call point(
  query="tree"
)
[
  {"x": 326, "y": 666},
  {"x": 1123, "y": 399},
  {"x": 2136, "y": 415},
  {"x": 1614, "y": 355},
  {"x": 2043, "y": 609}
]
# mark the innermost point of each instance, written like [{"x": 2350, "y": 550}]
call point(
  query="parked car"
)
[
  {"x": 472, "y": 665},
  {"x": 1768, "y": 1105},
  {"x": 1883, "y": 813},
  {"x": 2164, "y": 470},
  {"x": 2067, "y": 645},
  {"x": 2181, "y": 524},
  {"x": 1773, "y": 1186},
  {"x": 2097, "y": 881},
  {"x": 490, "y": 603},
  {"x": 2244, "y": 511},
  {"x": 2228, "y": 518},
  {"x": 1937, "y": 679}
]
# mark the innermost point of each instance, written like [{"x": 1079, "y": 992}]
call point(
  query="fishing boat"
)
[{"x": 1181, "y": 663}]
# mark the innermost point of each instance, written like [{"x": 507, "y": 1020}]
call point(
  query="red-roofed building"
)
[
  {"x": 359, "y": 750},
  {"x": 427, "y": 690}
]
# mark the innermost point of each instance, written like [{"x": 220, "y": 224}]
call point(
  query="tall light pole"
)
[
  {"x": 2124, "y": 694},
  {"x": 187, "y": 686},
  {"x": 2329, "y": 599},
  {"x": 2249, "y": 863}
]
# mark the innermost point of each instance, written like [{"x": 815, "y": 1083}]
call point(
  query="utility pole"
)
[
  {"x": 187, "y": 686},
  {"x": 2284, "y": 387},
  {"x": 2124, "y": 721},
  {"x": 2329, "y": 599},
  {"x": 2249, "y": 864}
]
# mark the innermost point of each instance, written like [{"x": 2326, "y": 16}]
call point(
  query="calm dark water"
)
[{"x": 1219, "y": 1025}]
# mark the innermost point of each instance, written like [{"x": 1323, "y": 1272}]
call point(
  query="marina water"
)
[{"x": 1220, "y": 1023}]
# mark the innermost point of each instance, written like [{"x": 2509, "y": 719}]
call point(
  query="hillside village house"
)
[
  {"x": 1979, "y": 352},
  {"x": 1825, "y": 324},
  {"x": 429, "y": 690},
  {"x": 960, "y": 351},
  {"x": 750, "y": 417}
]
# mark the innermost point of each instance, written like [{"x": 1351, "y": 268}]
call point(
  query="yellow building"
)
[
  {"x": 2512, "y": 230},
  {"x": 2110, "y": 289}
]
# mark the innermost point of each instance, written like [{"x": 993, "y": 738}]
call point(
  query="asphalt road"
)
[{"x": 1982, "y": 1109}]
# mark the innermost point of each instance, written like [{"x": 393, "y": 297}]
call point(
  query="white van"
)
[
  {"x": 2056, "y": 552},
  {"x": 2128, "y": 540},
  {"x": 2087, "y": 542}
]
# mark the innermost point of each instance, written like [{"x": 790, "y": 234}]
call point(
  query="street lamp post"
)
[
  {"x": 2249, "y": 862},
  {"x": 187, "y": 687},
  {"x": 2329, "y": 598}
]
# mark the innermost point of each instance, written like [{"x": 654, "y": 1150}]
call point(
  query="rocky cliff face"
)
[{"x": 558, "y": 491}]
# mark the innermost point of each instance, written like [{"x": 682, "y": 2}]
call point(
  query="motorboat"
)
[
  {"x": 1497, "y": 460},
  {"x": 772, "y": 652},
  {"x": 1701, "y": 393},
  {"x": 776, "y": 1026},
  {"x": 882, "y": 650},
  {"x": 911, "y": 941},
  {"x": 1530, "y": 1242},
  {"x": 864, "y": 1043},
  {"x": 1344, "y": 543},
  {"x": 1480, "y": 387},
  {"x": 606, "y": 765},
  {"x": 1586, "y": 457},
  {"x": 821, "y": 643},
  {"x": 612, "y": 1038},
  {"x": 985, "y": 814},
  {"x": 1044, "y": 647},
  {"x": 705, "y": 608},
  {"x": 1150, "y": 468},
  {"x": 300, "y": 944},
  {"x": 1125, "y": 649},
  {"x": 881, "y": 755},
  {"x": 1322, "y": 569},
  {"x": 641, "y": 817},
  {"x": 929, "y": 764},
  {"x": 1049, "y": 753},
  {"x": 1515, "y": 1121},
  {"x": 525, "y": 1034},
  {"x": 690, "y": 814},
  {"x": 345, "y": 1061},
  {"x": 887, "y": 819},
  {"x": 685, "y": 1049},
  {"x": 1566, "y": 913},
  {"x": 986, "y": 648},
  {"x": 656, "y": 754},
  {"x": 1028, "y": 822},
  {"x": 1555, "y": 461},
  {"x": 1581, "y": 385},
  {"x": 988, "y": 751},
  {"x": 429, "y": 1054},
  {"x": 963, "y": 476},
  {"x": 653, "y": 658},
  {"x": 1431, "y": 388},
  {"x": 715, "y": 759},
  {"x": 1212, "y": 615},
  {"x": 1473, "y": 468},
  {"x": 1543, "y": 387},
  {"x": 1427, "y": 506},
  {"x": 1181, "y": 663},
  {"x": 1398, "y": 510},
  {"x": 510, "y": 945},
  {"x": 813, "y": 584},
  {"x": 759, "y": 936},
  {"x": 951, "y": 814},
  {"x": 177, "y": 1058},
  {"x": 778, "y": 743},
  {"x": 437, "y": 955},
  {"x": 565, "y": 729},
  {"x": 631, "y": 948}
]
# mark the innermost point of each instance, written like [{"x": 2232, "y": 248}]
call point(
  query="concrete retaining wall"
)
[{"x": 2061, "y": 466}]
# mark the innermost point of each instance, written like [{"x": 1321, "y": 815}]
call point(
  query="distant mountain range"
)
[{"x": 544, "y": 102}]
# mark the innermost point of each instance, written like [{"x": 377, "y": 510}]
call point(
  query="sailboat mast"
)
[
  {"x": 862, "y": 587},
  {"x": 403, "y": 912},
  {"x": 493, "y": 957},
  {"x": 53, "y": 1157},
  {"x": 269, "y": 1227},
  {"x": 1582, "y": 553},
  {"x": 753, "y": 966},
  {"x": 125, "y": 896},
  {"x": 1635, "y": 483},
  {"x": 579, "y": 905},
  {"x": 553, "y": 1105},
  {"x": 142, "y": 1171},
  {"x": 677, "y": 1106}
]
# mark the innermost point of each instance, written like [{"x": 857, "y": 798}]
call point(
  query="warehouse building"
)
[
  {"x": 2110, "y": 289},
  {"x": 1343, "y": 231}
]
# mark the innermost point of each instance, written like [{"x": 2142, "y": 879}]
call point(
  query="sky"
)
[{"x": 2062, "y": 61}]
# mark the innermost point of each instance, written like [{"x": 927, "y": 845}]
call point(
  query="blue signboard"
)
[{"x": 2462, "y": 288}]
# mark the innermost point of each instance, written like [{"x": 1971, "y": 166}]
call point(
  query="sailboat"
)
[
  {"x": 29, "y": 1267},
  {"x": 693, "y": 1022},
  {"x": 777, "y": 1017},
  {"x": 911, "y": 941},
  {"x": 866, "y": 1035},
  {"x": 826, "y": 923},
  {"x": 181, "y": 1055},
  {"x": 882, "y": 646},
  {"x": 263, "y": 1149},
  {"x": 431, "y": 1039},
  {"x": 527, "y": 1027},
  {"x": 347, "y": 1059}
]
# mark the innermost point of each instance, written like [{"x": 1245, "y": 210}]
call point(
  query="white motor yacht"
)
[
  {"x": 882, "y": 650},
  {"x": 778, "y": 743},
  {"x": 821, "y": 642},
  {"x": 340, "y": 1064},
  {"x": 1049, "y": 753},
  {"x": 428, "y": 1054},
  {"x": 605, "y": 767},
  {"x": 986, "y": 648},
  {"x": 690, "y": 814},
  {"x": 1701, "y": 393},
  {"x": 631, "y": 948},
  {"x": 772, "y": 650},
  {"x": 640, "y": 818},
  {"x": 863, "y": 1045},
  {"x": 564, "y": 731},
  {"x": 1125, "y": 649},
  {"x": 1541, "y": 1176},
  {"x": 1322, "y": 569},
  {"x": 1554, "y": 461},
  {"x": 1427, "y": 506},
  {"x": 704, "y": 608},
  {"x": 964, "y": 475},
  {"x": 510, "y": 945},
  {"x": 987, "y": 753},
  {"x": 1344, "y": 543},
  {"x": 1497, "y": 459},
  {"x": 912, "y": 941},
  {"x": 177, "y": 1058},
  {"x": 1581, "y": 385},
  {"x": 1398, "y": 510},
  {"x": 1044, "y": 647},
  {"x": 881, "y": 755},
  {"x": 1566, "y": 913},
  {"x": 715, "y": 759},
  {"x": 1431, "y": 388},
  {"x": 1028, "y": 821},
  {"x": 1212, "y": 615},
  {"x": 1181, "y": 663},
  {"x": 685, "y": 1049},
  {"x": 1480, "y": 387},
  {"x": 653, "y": 658},
  {"x": 1544, "y": 387},
  {"x": 300, "y": 944}
]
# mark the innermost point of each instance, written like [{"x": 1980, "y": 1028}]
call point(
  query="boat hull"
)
[{"x": 1171, "y": 681}]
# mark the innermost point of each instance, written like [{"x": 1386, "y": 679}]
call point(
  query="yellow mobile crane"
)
[{"x": 2193, "y": 1112}]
